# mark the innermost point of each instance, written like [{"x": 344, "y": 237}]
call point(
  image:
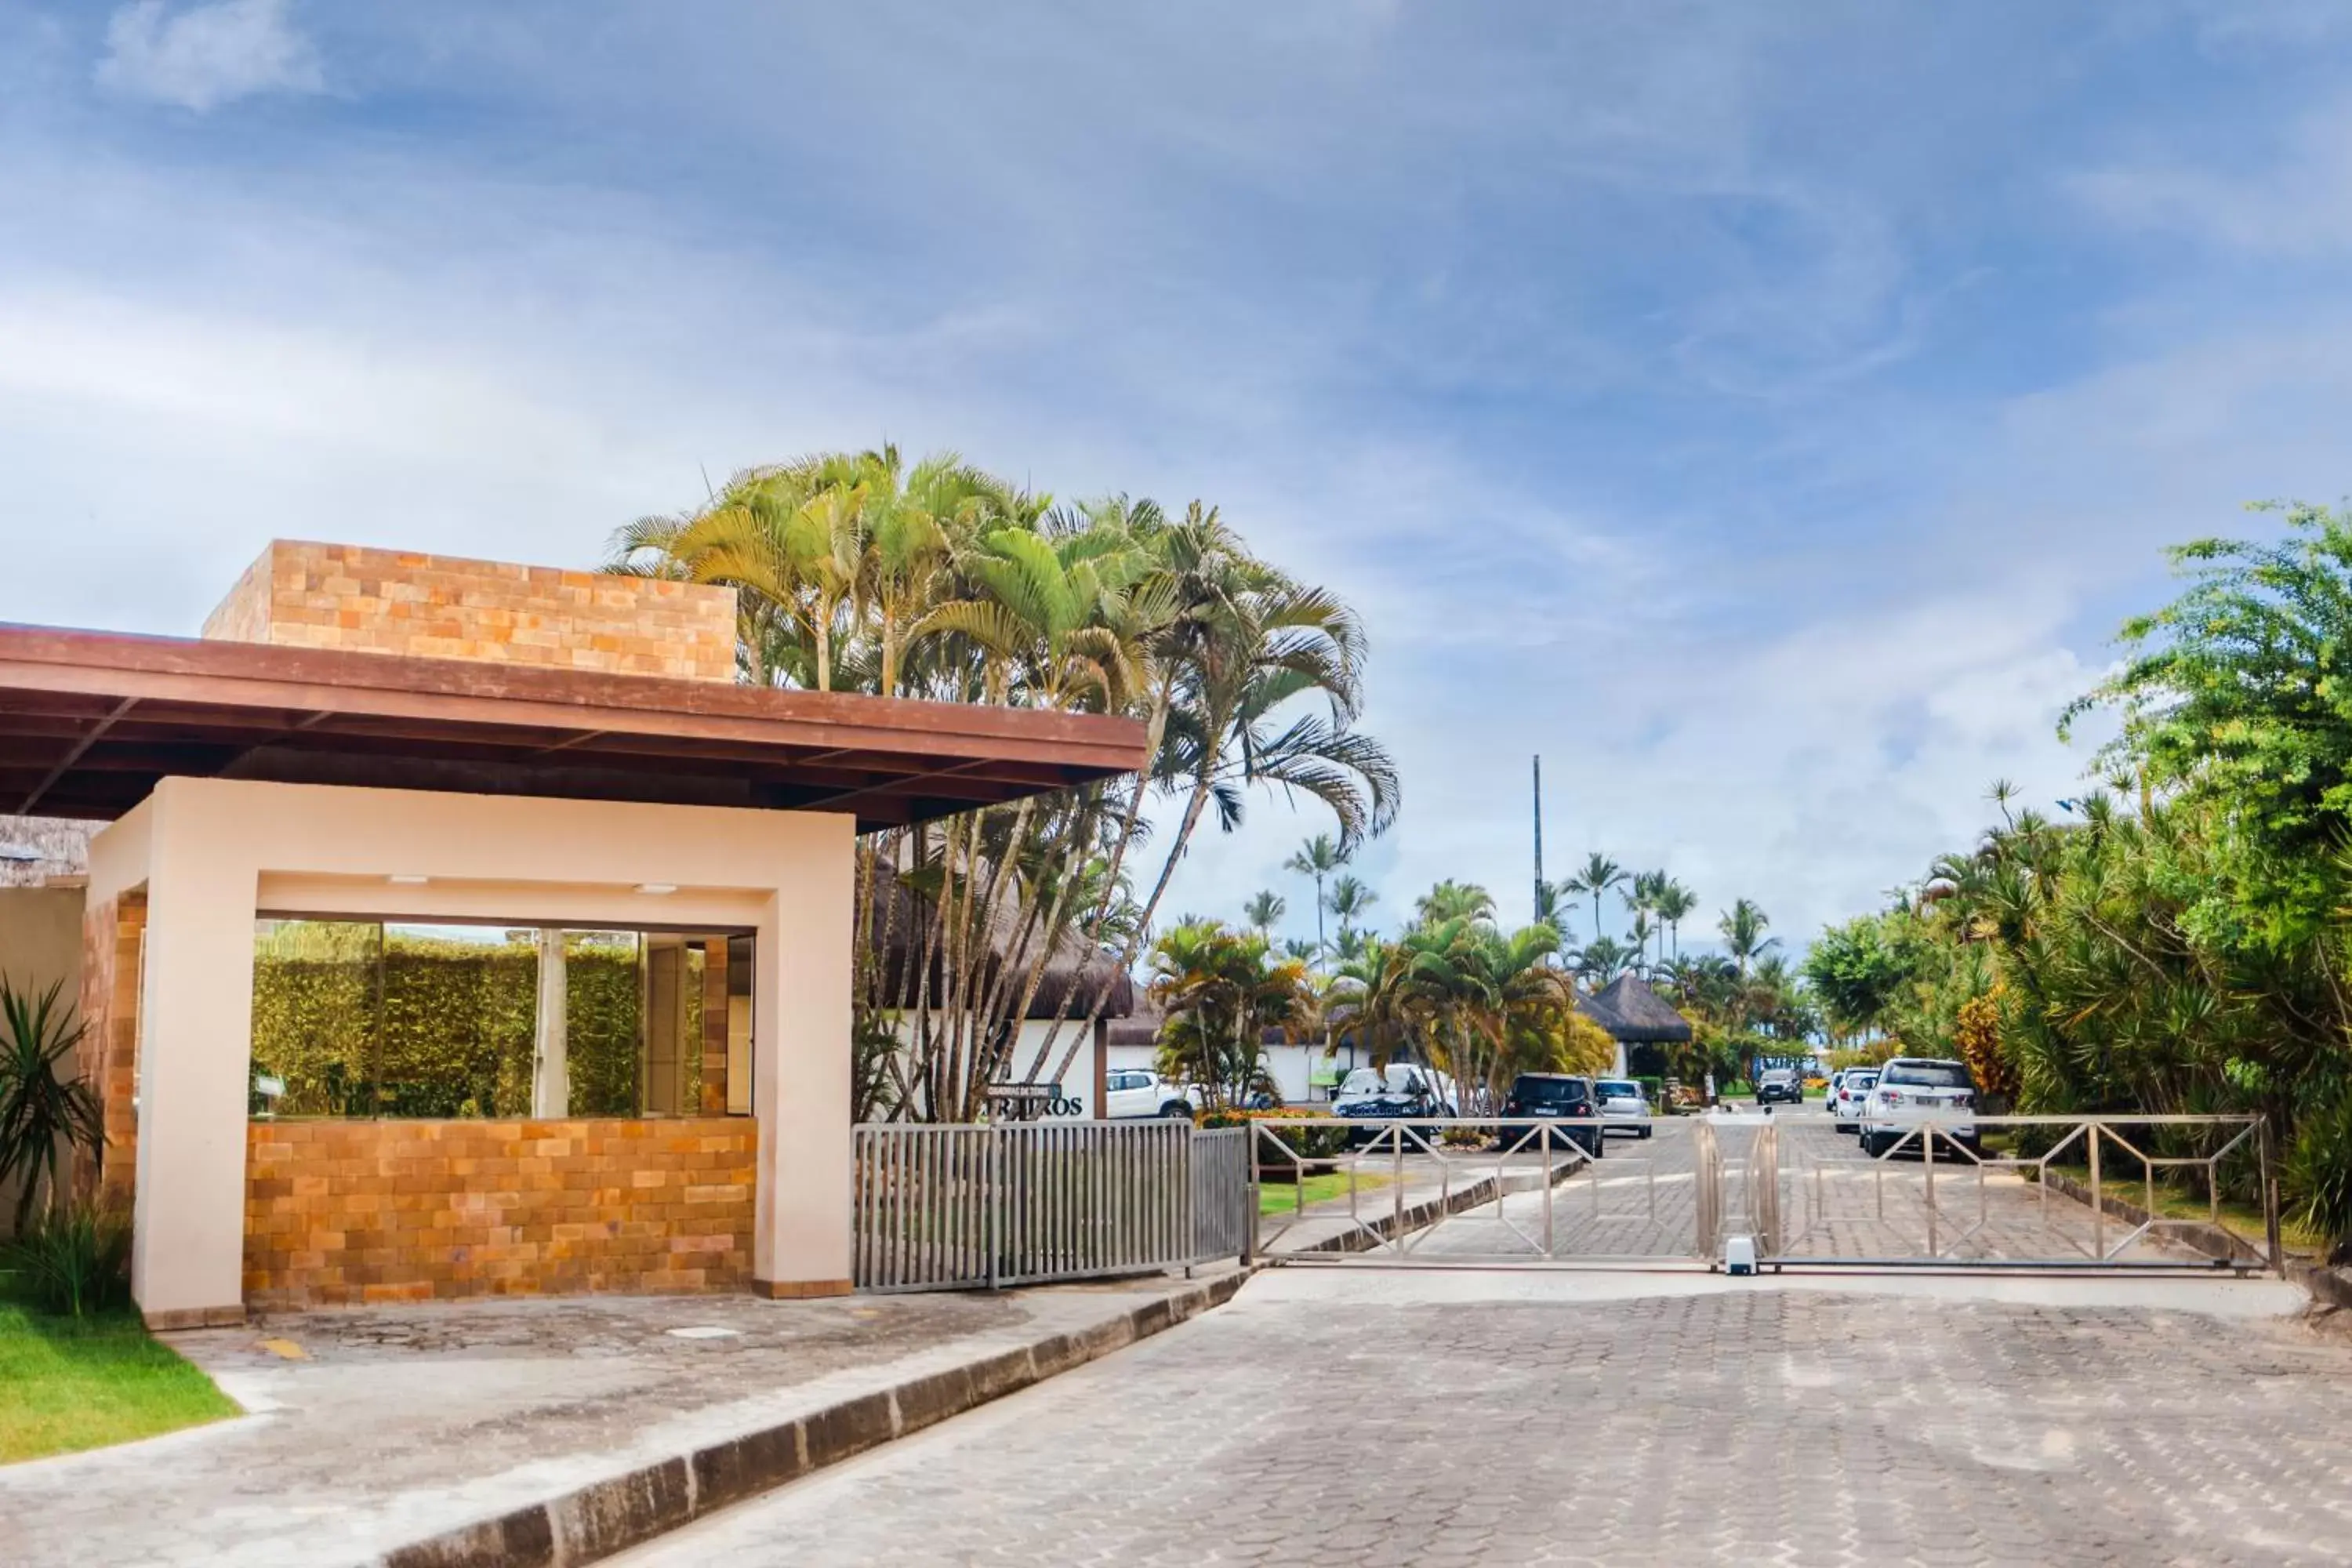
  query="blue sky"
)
[{"x": 1764, "y": 412}]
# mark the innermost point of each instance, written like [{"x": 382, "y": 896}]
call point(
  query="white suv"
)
[
  {"x": 1911, "y": 1090},
  {"x": 1131, "y": 1092},
  {"x": 1846, "y": 1095}
]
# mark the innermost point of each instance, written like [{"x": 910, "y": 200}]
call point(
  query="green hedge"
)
[{"x": 360, "y": 1024}]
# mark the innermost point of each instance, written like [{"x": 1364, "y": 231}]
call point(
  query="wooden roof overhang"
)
[{"x": 90, "y": 720}]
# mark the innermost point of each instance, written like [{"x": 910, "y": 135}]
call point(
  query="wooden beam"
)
[{"x": 75, "y": 755}]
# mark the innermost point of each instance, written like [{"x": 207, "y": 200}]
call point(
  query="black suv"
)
[
  {"x": 1545, "y": 1095},
  {"x": 1783, "y": 1084}
]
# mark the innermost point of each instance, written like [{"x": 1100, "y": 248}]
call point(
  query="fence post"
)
[
  {"x": 2270, "y": 1200},
  {"x": 1927, "y": 1153},
  {"x": 2098, "y": 1200},
  {"x": 1249, "y": 1194},
  {"x": 1192, "y": 1220},
  {"x": 993, "y": 1186}
]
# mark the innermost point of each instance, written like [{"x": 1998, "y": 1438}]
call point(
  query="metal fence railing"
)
[
  {"x": 975, "y": 1207},
  {"x": 2122, "y": 1191},
  {"x": 1460, "y": 1192},
  {"x": 1223, "y": 1204}
]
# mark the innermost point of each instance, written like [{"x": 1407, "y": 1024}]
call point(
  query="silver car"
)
[
  {"x": 1846, "y": 1096},
  {"x": 1623, "y": 1107}
]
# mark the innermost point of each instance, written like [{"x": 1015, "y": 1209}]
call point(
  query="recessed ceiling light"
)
[
  {"x": 406, "y": 880},
  {"x": 658, "y": 887}
]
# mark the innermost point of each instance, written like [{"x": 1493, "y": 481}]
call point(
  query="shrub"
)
[
  {"x": 1308, "y": 1142},
  {"x": 74, "y": 1261},
  {"x": 2317, "y": 1177}
]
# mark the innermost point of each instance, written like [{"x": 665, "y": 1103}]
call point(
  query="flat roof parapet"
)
[{"x": 357, "y": 599}]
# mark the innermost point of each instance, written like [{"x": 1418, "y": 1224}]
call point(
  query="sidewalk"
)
[{"x": 551, "y": 1431}]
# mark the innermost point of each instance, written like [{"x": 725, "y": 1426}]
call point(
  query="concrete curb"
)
[
  {"x": 598, "y": 1521},
  {"x": 2328, "y": 1287},
  {"x": 2213, "y": 1241}
]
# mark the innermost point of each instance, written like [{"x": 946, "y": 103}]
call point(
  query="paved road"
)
[{"x": 1331, "y": 1417}]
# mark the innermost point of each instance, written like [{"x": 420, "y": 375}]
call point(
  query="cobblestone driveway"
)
[{"x": 1719, "y": 1425}]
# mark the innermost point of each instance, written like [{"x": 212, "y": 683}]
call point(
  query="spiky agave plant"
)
[{"x": 42, "y": 1115}]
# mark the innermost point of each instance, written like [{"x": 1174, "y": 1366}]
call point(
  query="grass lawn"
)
[
  {"x": 1282, "y": 1197},
  {"x": 66, "y": 1386}
]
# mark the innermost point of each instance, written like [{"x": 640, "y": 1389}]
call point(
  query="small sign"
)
[{"x": 268, "y": 1087}]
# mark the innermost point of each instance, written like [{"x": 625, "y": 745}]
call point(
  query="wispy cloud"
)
[
  {"x": 1730, "y": 403},
  {"x": 206, "y": 56}
]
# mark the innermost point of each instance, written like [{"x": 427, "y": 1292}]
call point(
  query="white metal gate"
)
[
  {"x": 1478, "y": 1192},
  {"x": 2016, "y": 1192},
  {"x": 978, "y": 1206}
]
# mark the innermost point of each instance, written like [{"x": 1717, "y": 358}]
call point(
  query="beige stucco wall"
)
[
  {"x": 212, "y": 852},
  {"x": 40, "y": 938},
  {"x": 40, "y": 946}
]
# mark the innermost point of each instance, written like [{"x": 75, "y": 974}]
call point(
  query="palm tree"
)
[
  {"x": 1264, "y": 910},
  {"x": 1319, "y": 858},
  {"x": 1675, "y": 903},
  {"x": 1351, "y": 900},
  {"x": 1744, "y": 940},
  {"x": 1450, "y": 901},
  {"x": 1219, "y": 991},
  {"x": 1602, "y": 960},
  {"x": 1598, "y": 876},
  {"x": 1647, "y": 888},
  {"x": 1552, "y": 908},
  {"x": 1639, "y": 939}
]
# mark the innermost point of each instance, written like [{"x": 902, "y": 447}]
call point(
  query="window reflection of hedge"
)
[
  {"x": 314, "y": 1003},
  {"x": 361, "y": 1021},
  {"x": 601, "y": 1022},
  {"x": 459, "y": 1027}
]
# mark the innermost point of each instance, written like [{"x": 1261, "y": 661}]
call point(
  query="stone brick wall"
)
[
  {"x": 111, "y": 932},
  {"x": 350, "y": 597},
  {"x": 348, "y": 1212}
]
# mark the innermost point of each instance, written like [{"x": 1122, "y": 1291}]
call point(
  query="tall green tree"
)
[
  {"x": 1319, "y": 858},
  {"x": 1450, "y": 901},
  {"x": 1598, "y": 876},
  {"x": 1742, "y": 928},
  {"x": 1264, "y": 911}
]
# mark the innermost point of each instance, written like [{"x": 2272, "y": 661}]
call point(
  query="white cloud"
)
[{"x": 206, "y": 56}]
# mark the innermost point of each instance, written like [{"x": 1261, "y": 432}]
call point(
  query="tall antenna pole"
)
[{"x": 1539, "y": 906}]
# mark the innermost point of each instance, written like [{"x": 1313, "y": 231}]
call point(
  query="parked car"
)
[
  {"x": 1399, "y": 1080},
  {"x": 1623, "y": 1107},
  {"x": 1852, "y": 1088},
  {"x": 1402, "y": 1091},
  {"x": 1913, "y": 1090},
  {"x": 1133, "y": 1092},
  {"x": 1542, "y": 1095},
  {"x": 1780, "y": 1084}
]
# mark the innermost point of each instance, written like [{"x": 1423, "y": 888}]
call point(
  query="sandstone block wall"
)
[
  {"x": 113, "y": 930},
  {"x": 348, "y": 1212},
  {"x": 350, "y": 597}
]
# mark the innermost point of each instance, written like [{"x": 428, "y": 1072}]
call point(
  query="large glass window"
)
[{"x": 365, "y": 1018}]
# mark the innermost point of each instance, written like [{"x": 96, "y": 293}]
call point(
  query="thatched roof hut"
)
[
  {"x": 895, "y": 930},
  {"x": 38, "y": 849},
  {"x": 1634, "y": 1015}
]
